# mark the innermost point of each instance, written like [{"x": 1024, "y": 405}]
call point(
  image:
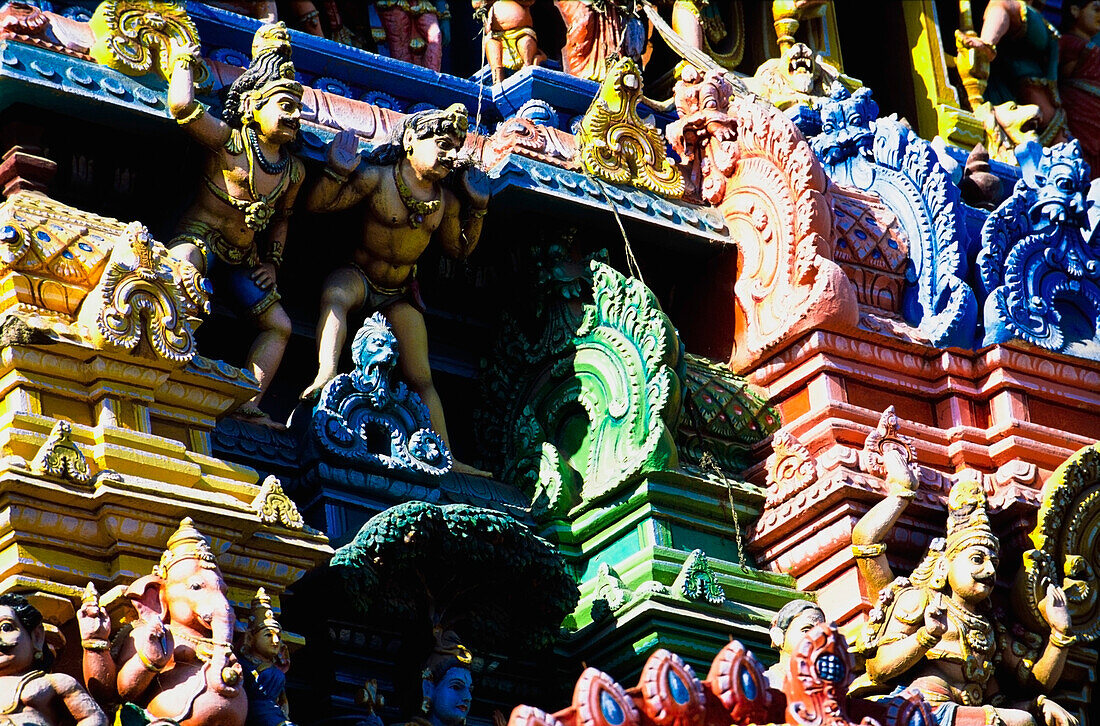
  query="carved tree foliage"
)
[
  {"x": 464, "y": 567},
  {"x": 1066, "y": 542}
]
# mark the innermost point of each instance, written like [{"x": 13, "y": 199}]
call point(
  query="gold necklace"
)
[
  {"x": 976, "y": 641},
  {"x": 416, "y": 208},
  {"x": 204, "y": 647}
]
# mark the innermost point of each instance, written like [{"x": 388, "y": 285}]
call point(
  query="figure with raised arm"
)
[
  {"x": 1021, "y": 48},
  {"x": 235, "y": 231},
  {"x": 405, "y": 205},
  {"x": 28, "y": 693},
  {"x": 935, "y": 630},
  {"x": 1079, "y": 76}
]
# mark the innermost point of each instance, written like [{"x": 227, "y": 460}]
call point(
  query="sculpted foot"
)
[
  {"x": 252, "y": 413},
  {"x": 459, "y": 468},
  {"x": 313, "y": 392}
]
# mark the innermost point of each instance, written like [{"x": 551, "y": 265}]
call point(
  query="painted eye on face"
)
[{"x": 8, "y": 627}]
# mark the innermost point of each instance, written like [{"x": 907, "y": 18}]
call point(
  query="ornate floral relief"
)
[
  {"x": 273, "y": 506},
  {"x": 1066, "y": 542},
  {"x": 138, "y": 301},
  {"x": 697, "y": 580},
  {"x": 136, "y": 37},
  {"x": 54, "y": 253},
  {"x": 1039, "y": 275},
  {"x": 919, "y": 199},
  {"x": 617, "y": 145},
  {"x": 527, "y": 138},
  {"x": 771, "y": 190},
  {"x": 885, "y": 437},
  {"x": 791, "y": 468},
  {"x": 61, "y": 457},
  {"x": 367, "y": 418}
]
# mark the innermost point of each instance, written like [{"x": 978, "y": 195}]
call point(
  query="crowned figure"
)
[{"x": 936, "y": 630}]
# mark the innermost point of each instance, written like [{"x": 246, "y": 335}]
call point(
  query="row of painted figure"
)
[
  {"x": 1015, "y": 66},
  {"x": 235, "y": 232},
  {"x": 932, "y": 638}
]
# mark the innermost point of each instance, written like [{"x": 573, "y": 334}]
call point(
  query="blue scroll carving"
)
[
  {"x": 368, "y": 419},
  {"x": 885, "y": 157},
  {"x": 1039, "y": 275}
]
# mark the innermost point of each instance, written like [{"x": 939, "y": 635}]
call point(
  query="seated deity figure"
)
[
  {"x": 405, "y": 204},
  {"x": 1021, "y": 48},
  {"x": 936, "y": 631},
  {"x": 249, "y": 184},
  {"x": 789, "y": 625},
  {"x": 446, "y": 683},
  {"x": 1079, "y": 76},
  {"x": 28, "y": 694}
]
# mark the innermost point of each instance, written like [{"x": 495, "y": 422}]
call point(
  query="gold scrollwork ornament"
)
[{"x": 137, "y": 37}]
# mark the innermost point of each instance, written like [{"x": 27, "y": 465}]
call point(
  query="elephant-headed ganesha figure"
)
[{"x": 175, "y": 663}]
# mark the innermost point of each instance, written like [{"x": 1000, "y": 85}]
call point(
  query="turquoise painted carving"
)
[
  {"x": 605, "y": 414},
  {"x": 592, "y": 399},
  {"x": 885, "y": 157},
  {"x": 370, "y": 420},
  {"x": 697, "y": 581},
  {"x": 458, "y": 564},
  {"x": 1037, "y": 271}
]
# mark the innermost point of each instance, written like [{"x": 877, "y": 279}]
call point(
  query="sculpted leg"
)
[
  {"x": 189, "y": 253},
  {"x": 343, "y": 291},
  {"x": 267, "y": 350},
  {"x": 412, "y": 341},
  {"x": 494, "y": 54},
  {"x": 428, "y": 24}
]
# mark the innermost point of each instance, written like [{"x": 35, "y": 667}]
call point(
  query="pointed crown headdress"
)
[
  {"x": 968, "y": 518},
  {"x": 187, "y": 543},
  {"x": 262, "y": 616}
]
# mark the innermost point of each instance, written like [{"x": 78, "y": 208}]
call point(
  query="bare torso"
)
[
  {"x": 37, "y": 704},
  {"x": 510, "y": 14},
  {"x": 184, "y": 691},
  {"x": 230, "y": 173},
  {"x": 943, "y": 669},
  {"x": 390, "y": 247}
]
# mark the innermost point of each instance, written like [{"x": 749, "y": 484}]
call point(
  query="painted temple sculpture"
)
[
  {"x": 670, "y": 369},
  {"x": 934, "y": 631},
  {"x": 248, "y": 189}
]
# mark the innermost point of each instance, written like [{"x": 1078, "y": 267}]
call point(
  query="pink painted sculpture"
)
[{"x": 177, "y": 661}]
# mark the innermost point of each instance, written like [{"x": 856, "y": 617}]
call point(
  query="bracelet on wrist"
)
[
  {"x": 148, "y": 664},
  {"x": 869, "y": 551},
  {"x": 335, "y": 175},
  {"x": 196, "y": 113},
  {"x": 925, "y": 639},
  {"x": 1060, "y": 640},
  {"x": 94, "y": 644}
]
